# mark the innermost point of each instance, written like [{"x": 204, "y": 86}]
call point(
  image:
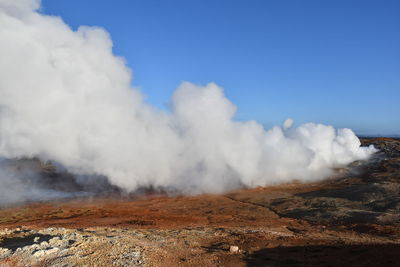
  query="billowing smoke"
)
[
  {"x": 29, "y": 180},
  {"x": 65, "y": 97}
]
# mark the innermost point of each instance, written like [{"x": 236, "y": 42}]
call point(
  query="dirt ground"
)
[{"x": 350, "y": 219}]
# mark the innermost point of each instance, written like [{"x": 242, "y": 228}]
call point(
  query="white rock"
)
[
  {"x": 51, "y": 251},
  {"x": 54, "y": 240},
  {"x": 45, "y": 252},
  {"x": 39, "y": 253},
  {"x": 4, "y": 252},
  {"x": 57, "y": 242},
  {"x": 44, "y": 244},
  {"x": 234, "y": 249}
]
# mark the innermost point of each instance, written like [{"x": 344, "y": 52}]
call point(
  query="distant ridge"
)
[{"x": 397, "y": 136}]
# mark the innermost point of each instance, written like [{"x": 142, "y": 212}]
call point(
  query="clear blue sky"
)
[{"x": 334, "y": 62}]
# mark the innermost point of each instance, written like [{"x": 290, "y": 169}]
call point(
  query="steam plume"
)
[{"x": 65, "y": 97}]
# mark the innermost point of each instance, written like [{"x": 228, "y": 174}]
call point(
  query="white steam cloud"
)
[{"x": 65, "y": 97}]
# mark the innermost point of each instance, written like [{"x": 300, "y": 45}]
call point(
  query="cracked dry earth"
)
[{"x": 351, "y": 219}]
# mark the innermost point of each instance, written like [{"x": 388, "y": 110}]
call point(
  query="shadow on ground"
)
[
  {"x": 13, "y": 243},
  {"x": 351, "y": 255}
]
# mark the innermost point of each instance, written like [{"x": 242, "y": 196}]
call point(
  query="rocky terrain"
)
[{"x": 351, "y": 219}]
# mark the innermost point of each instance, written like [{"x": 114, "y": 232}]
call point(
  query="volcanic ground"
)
[{"x": 352, "y": 219}]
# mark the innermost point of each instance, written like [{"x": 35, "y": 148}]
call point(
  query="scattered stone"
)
[
  {"x": 51, "y": 250},
  {"x": 39, "y": 253},
  {"x": 44, "y": 244},
  {"x": 64, "y": 247},
  {"x": 4, "y": 252},
  {"x": 45, "y": 252},
  {"x": 234, "y": 249}
]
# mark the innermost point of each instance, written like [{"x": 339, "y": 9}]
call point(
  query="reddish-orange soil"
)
[
  {"x": 262, "y": 235},
  {"x": 348, "y": 220}
]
